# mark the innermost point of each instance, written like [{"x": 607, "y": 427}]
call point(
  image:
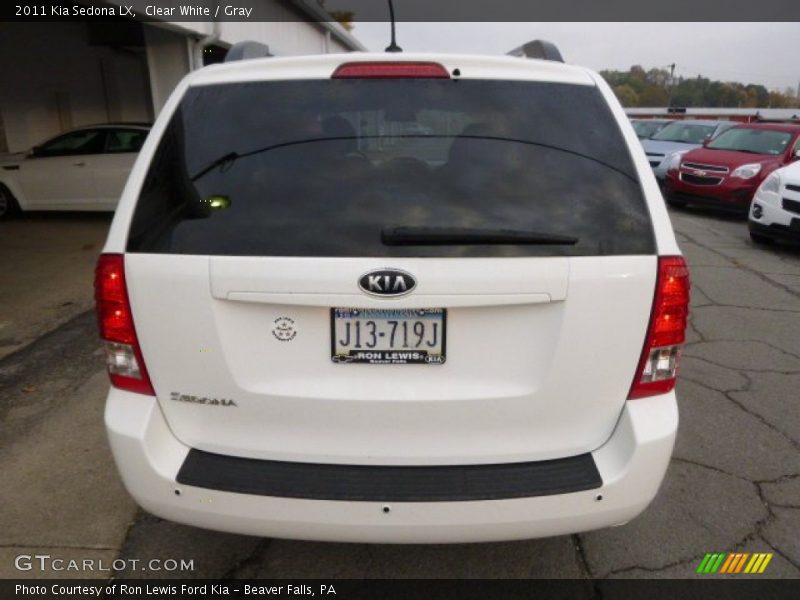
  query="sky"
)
[{"x": 760, "y": 53}]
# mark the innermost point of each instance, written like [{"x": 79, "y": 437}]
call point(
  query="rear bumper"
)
[{"x": 631, "y": 466}]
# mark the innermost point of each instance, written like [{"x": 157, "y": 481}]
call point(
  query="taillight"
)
[
  {"x": 388, "y": 70},
  {"x": 115, "y": 320},
  {"x": 658, "y": 366}
]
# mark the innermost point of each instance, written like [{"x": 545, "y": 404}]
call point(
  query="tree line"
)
[{"x": 653, "y": 88}]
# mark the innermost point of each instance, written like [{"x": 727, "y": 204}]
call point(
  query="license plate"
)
[{"x": 388, "y": 336}]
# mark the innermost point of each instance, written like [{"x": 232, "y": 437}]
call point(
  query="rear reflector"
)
[
  {"x": 388, "y": 70},
  {"x": 658, "y": 365},
  {"x": 115, "y": 321}
]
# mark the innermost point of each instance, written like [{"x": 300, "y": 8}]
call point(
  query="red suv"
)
[{"x": 727, "y": 171}]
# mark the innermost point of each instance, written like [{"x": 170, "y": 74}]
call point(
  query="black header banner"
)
[{"x": 405, "y": 10}]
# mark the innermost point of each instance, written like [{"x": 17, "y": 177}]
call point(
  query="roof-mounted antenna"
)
[{"x": 393, "y": 47}]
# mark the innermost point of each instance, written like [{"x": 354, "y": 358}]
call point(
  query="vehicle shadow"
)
[
  {"x": 227, "y": 556},
  {"x": 710, "y": 213}
]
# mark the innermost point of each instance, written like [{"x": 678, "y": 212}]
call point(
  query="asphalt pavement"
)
[{"x": 733, "y": 484}]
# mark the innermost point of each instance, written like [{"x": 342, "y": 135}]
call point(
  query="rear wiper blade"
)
[
  {"x": 457, "y": 236},
  {"x": 224, "y": 162}
]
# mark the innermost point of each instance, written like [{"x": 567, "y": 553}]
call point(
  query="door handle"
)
[{"x": 79, "y": 164}]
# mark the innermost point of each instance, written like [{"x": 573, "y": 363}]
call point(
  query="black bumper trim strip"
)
[{"x": 389, "y": 483}]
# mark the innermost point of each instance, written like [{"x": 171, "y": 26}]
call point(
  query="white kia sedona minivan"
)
[{"x": 392, "y": 298}]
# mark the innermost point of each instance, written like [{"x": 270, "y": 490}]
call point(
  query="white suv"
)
[
  {"x": 775, "y": 210},
  {"x": 392, "y": 298}
]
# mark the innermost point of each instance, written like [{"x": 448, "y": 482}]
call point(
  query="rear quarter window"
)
[{"x": 322, "y": 167}]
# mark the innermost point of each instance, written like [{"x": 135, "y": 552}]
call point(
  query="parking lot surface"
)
[
  {"x": 733, "y": 484},
  {"x": 47, "y": 262}
]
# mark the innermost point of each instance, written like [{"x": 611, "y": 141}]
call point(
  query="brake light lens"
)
[
  {"x": 388, "y": 70},
  {"x": 658, "y": 365},
  {"x": 115, "y": 321}
]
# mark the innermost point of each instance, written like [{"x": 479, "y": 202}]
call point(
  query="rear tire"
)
[
  {"x": 761, "y": 239},
  {"x": 8, "y": 204}
]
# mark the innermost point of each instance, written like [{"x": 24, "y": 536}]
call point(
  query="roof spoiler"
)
[
  {"x": 540, "y": 49},
  {"x": 246, "y": 51}
]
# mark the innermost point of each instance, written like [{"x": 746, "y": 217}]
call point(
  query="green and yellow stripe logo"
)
[{"x": 734, "y": 562}]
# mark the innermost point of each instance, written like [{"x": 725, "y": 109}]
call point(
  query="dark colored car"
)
[
  {"x": 647, "y": 128},
  {"x": 727, "y": 171}
]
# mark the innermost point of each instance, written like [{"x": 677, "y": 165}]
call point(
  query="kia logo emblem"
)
[{"x": 387, "y": 282}]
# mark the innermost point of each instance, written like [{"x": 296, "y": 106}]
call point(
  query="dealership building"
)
[{"x": 60, "y": 74}]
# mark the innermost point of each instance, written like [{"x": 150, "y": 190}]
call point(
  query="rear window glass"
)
[{"x": 326, "y": 167}]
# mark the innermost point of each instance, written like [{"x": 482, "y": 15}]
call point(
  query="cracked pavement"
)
[{"x": 733, "y": 484}]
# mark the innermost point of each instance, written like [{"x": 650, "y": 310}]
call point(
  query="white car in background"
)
[
  {"x": 775, "y": 210},
  {"x": 83, "y": 169}
]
